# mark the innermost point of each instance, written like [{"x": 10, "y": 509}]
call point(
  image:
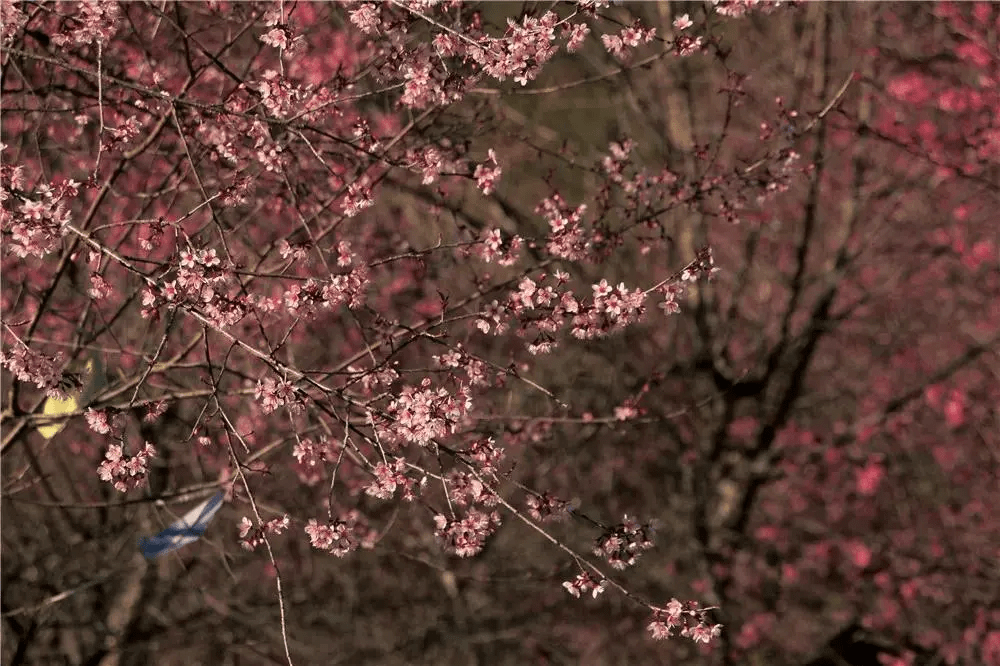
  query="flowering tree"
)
[
  {"x": 849, "y": 447},
  {"x": 448, "y": 330}
]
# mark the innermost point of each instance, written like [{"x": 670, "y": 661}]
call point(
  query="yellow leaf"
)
[
  {"x": 57, "y": 407},
  {"x": 86, "y": 384}
]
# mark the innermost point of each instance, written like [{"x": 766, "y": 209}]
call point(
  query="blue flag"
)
[{"x": 184, "y": 531}]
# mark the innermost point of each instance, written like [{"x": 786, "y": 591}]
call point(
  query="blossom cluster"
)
[
  {"x": 739, "y": 8},
  {"x": 273, "y": 393},
  {"x": 614, "y": 164},
  {"x": 90, "y": 23},
  {"x": 343, "y": 535},
  {"x": 282, "y": 33},
  {"x": 388, "y": 478},
  {"x": 359, "y": 197},
  {"x": 703, "y": 267},
  {"x": 547, "y": 310},
  {"x": 253, "y": 536},
  {"x": 522, "y": 51},
  {"x": 123, "y": 471},
  {"x": 780, "y": 181},
  {"x": 487, "y": 176},
  {"x": 687, "y": 619},
  {"x": 458, "y": 359},
  {"x": 431, "y": 162},
  {"x": 686, "y": 45},
  {"x": 584, "y": 583},
  {"x": 313, "y": 453},
  {"x": 486, "y": 454},
  {"x": 630, "y": 37},
  {"x": 612, "y": 309},
  {"x": 105, "y": 421},
  {"x": 466, "y": 537},
  {"x": 466, "y": 489},
  {"x": 199, "y": 282},
  {"x": 546, "y": 507},
  {"x": 520, "y": 54},
  {"x": 421, "y": 414},
  {"x": 35, "y": 225},
  {"x": 376, "y": 378},
  {"x": 12, "y": 19},
  {"x": 28, "y": 365},
  {"x": 567, "y": 239},
  {"x": 306, "y": 299},
  {"x": 624, "y": 543},
  {"x": 494, "y": 248},
  {"x": 119, "y": 137},
  {"x": 279, "y": 96}
]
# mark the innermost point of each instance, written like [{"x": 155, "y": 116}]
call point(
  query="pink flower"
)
[
  {"x": 546, "y": 507},
  {"x": 313, "y": 453},
  {"x": 98, "y": 422},
  {"x": 601, "y": 289},
  {"x": 577, "y": 34},
  {"x": 251, "y": 537},
  {"x": 869, "y": 477},
  {"x": 487, "y": 454},
  {"x": 954, "y": 410},
  {"x": 273, "y": 393},
  {"x": 859, "y": 553},
  {"x": 99, "y": 287},
  {"x": 366, "y": 17},
  {"x": 688, "y": 618},
  {"x": 388, "y": 478},
  {"x": 703, "y": 633},
  {"x": 626, "y": 412},
  {"x": 583, "y": 584},
  {"x": 277, "y": 38},
  {"x": 465, "y": 489},
  {"x": 934, "y": 394},
  {"x": 487, "y": 176},
  {"x": 154, "y": 411}
]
